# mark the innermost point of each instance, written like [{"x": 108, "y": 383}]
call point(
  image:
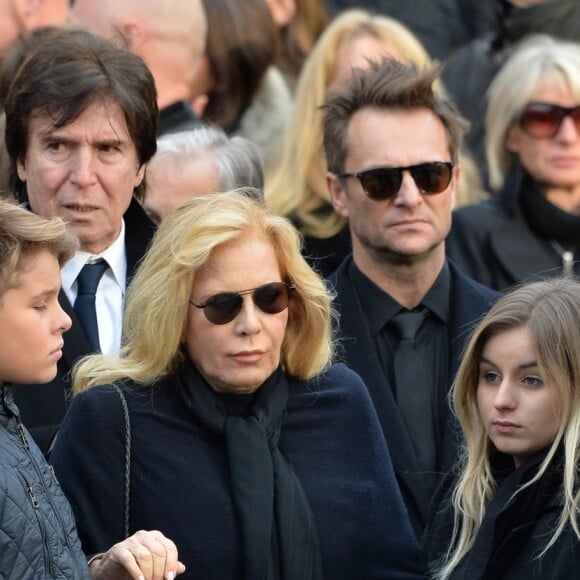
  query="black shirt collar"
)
[{"x": 379, "y": 307}]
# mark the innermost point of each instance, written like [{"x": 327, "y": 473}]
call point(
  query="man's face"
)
[
  {"x": 409, "y": 227},
  {"x": 171, "y": 182},
  {"x": 84, "y": 172}
]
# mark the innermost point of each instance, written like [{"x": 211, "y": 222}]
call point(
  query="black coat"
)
[
  {"x": 514, "y": 531},
  {"x": 469, "y": 302},
  {"x": 492, "y": 242},
  {"x": 180, "y": 481},
  {"x": 177, "y": 117},
  {"x": 42, "y": 407}
]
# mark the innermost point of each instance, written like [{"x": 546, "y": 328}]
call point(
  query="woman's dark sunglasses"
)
[
  {"x": 224, "y": 307},
  {"x": 543, "y": 120},
  {"x": 385, "y": 182}
]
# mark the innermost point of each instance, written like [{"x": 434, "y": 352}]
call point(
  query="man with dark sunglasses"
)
[{"x": 391, "y": 145}]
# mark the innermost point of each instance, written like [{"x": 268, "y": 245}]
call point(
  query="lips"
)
[
  {"x": 411, "y": 222},
  {"x": 57, "y": 351},
  {"x": 80, "y": 208},
  {"x": 505, "y": 426},
  {"x": 248, "y": 356}
]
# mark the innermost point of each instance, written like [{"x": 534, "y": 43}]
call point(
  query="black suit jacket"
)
[
  {"x": 469, "y": 301},
  {"x": 42, "y": 407}
]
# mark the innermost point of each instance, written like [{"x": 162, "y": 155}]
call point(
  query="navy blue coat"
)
[
  {"x": 469, "y": 301},
  {"x": 180, "y": 480}
]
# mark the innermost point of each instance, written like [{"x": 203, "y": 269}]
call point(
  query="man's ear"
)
[
  {"x": 456, "y": 178},
  {"x": 134, "y": 34},
  {"x": 338, "y": 195}
]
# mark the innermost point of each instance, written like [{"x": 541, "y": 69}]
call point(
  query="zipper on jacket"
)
[
  {"x": 75, "y": 557},
  {"x": 35, "y": 507},
  {"x": 22, "y": 435}
]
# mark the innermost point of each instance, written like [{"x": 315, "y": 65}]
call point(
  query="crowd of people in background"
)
[{"x": 290, "y": 289}]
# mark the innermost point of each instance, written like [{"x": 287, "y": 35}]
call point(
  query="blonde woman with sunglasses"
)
[
  {"x": 254, "y": 454},
  {"x": 532, "y": 226}
]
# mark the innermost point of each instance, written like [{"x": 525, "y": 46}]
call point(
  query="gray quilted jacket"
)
[{"x": 38, "y": 537}]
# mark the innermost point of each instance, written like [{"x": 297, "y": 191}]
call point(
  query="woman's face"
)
[
  {"x": 519, "y": 407},
  {"x": 554, "y": 162},
  {"x": 236, "y": 357}
]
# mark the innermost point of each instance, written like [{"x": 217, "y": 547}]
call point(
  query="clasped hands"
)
[{"x": 146, "y": 555}]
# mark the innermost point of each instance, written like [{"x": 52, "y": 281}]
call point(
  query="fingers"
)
[{"x": 146, "y": 555}]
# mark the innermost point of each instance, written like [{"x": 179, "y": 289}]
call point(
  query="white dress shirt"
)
[{"x": 110, "y": 297}]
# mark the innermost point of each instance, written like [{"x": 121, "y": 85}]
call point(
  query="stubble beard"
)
[{"x": 387, "y": 254}]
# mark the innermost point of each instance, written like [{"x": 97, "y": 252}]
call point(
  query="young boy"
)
[{"x": 38, "y": 537}]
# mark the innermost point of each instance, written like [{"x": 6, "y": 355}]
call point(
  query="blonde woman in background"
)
[{"x": 296, "y": 187}]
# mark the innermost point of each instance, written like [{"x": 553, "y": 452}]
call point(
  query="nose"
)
[
  {"x": 409, "y": 195},
  {"x": 504, "y": 397},
  {"x": 248, "y": 320},
  {"x": 82, "y": 171},
  {"x": 63, "y": 320},
  {"x": 568, "y": 131}
]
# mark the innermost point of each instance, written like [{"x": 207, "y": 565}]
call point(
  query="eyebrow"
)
[
  {"x": 526, "y": 365},
  {"x": 53, "y": 135},
  {"x": 47, "y": 293}
]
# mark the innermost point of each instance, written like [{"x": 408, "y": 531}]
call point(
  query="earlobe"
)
[
  {"x": 140, "y": 175},
  {"x": 21, "y": 170},
  {"x": 510, "y": 140},
  {"x": 338, "y": 196},
  {"x": 455, "y": 185}
]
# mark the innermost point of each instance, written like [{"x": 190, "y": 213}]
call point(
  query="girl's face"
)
[{"x": 519, "y": 407}]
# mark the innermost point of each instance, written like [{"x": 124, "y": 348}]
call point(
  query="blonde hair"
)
[
  {"x": 537, "y": 58},
  {"x": 297, "y": 186},
  {"x": 158, "y": 297},
  {"x": 551, "y": 312},
  {"x": 23, "y": 234}
]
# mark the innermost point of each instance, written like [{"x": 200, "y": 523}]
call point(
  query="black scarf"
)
[
  {"x": 280, "y": 540},
  {"x": 547, "y": 220},
  {"x": 509, "y": 519}
]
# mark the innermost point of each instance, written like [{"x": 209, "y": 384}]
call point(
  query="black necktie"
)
[
  {"x": 87, "y": 282},
  {"x": 413, "y": 380}
]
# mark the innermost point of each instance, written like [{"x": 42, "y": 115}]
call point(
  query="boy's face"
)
[{"x": 32, "y": 322}]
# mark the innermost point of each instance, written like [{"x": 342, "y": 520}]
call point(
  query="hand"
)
[{"x": 143, "y": 556}]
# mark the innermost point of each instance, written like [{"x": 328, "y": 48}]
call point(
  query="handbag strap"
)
[{"x": 127, "y": 461}]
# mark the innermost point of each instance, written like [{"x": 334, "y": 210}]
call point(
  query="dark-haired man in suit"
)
[
  {"x": 78, "y": 149},
  {"x": 391, "y": 145}
]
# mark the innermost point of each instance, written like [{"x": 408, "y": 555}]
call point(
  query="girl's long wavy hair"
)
[
  {"x": 158, "y": 298},
  {"x": 551, "y": 312}
]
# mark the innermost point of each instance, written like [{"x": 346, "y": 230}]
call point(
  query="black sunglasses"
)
[
  {"x": 385, "y": 182},
  {"x": 224, "y": 307},
  {"x": 543, "y": 120}
]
